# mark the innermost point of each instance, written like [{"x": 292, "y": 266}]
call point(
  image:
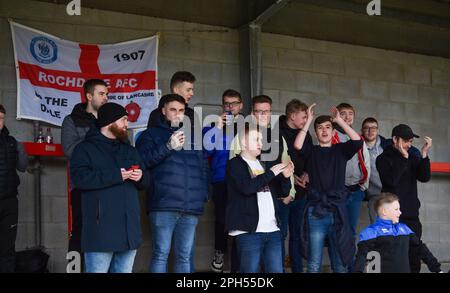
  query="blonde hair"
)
[{"x": 383, "y": 198}]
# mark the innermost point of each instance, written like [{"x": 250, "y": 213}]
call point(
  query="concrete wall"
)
[
  {"x": 392, "y": 86},
  {"x": 211, "y": 53}
]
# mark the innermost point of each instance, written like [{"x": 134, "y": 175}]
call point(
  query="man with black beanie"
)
[
  {"x": 108, "y": 171},
  {"x": 73, "y": 131}
]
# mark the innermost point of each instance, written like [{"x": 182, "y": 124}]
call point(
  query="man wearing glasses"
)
[
  {"x": 217, "y": 148},
  {"x": 375, "y": 144}
]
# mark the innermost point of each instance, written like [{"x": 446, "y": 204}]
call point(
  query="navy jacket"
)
[
  {"x": 111, "y": 212},
  {"x": 242, "y": 205},
  {"x": 179, "y": 179},
  {"x": 392, "y": 242},
  {"x": 399, "y": 176}
]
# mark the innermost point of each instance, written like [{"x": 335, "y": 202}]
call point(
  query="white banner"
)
[{"x": 51, "y": 73}]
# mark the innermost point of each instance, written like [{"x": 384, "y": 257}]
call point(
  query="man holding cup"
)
[{"x": 178, "y": 189}]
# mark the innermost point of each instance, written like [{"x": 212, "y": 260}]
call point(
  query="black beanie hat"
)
[{"x": 109, "y": 113}]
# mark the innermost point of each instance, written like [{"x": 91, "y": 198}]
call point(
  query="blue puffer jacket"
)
[
  {"x": 111, "y": 212},
  {"x": 179, "y": 179},
  {"x": 218, "y": 150}
]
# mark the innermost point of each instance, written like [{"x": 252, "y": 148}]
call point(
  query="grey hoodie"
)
[
  {"x": 353, "y": 172},
  {"x": 374, "y": 179}
]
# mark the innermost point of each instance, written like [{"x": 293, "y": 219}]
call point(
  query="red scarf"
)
[{"x": 362, "y": 166}]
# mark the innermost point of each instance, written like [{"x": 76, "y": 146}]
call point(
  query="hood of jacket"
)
[{"x": 80, "y": 117}]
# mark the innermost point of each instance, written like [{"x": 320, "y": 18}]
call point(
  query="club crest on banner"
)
[{"x": 43, "y": 50}]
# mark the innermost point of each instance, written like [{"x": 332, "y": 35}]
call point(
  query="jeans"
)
[
  {"x": 109, "y": 262},
  {"x": 290, "y": 220},
  {"x": 179, "y": 226},
  {"x": 319, "y": 229},
  {"x": 354, "y": 202},
  {"x": 257, "y": 249}
]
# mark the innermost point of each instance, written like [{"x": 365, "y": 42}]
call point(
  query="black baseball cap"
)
[{"x": 403, "y": 131}]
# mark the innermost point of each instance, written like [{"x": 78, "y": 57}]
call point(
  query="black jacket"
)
[
  {"x": 11, "y": 153},
  {"x": 399, "y": 176},
  {"x": 74, "y": 128},
  {"x": 392, "y": 242},
  {"x": 111, "y": 212},
  {"x": 289, "y": 135},
  {"x": 242, "y": 207}
]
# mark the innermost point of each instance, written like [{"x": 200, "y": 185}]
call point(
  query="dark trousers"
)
[
  {"x": 77, "y": 220},
  {"x": 9, "y": 212},
  {"x": 220, "y": 235},
  {"x": 414, "y": 250}
]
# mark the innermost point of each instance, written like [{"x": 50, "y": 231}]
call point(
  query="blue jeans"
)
[
  {"x": 255, "y": 249},
  {"x": 165, "y": 226},
  {"x": 112, "y": 262},
  {"x": 319, "y": 229},
  {"x": 354, "y": 202},
  {"x": 291, "y": 219}
]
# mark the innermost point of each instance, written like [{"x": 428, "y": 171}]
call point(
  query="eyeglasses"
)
[
  {"x": 231, "y": 105},
  {"x": 262, "y": 112},
  {"x": 373, "y": 128}
]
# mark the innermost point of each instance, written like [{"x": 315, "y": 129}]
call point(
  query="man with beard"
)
[
  {"x": 108, "y": 172},
  {"x": 73, "y": 131}
]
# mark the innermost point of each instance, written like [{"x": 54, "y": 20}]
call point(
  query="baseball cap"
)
[{"x": 403, "y": 131}]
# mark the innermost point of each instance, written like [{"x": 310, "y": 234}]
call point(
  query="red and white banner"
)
[{"x": 51, "y": 73}]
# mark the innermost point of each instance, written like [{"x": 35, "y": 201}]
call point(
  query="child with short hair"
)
[
  {"x": 251, "y": 213},
  {"x": 391, "y": 239}
]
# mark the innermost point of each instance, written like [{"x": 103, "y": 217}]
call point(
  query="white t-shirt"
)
[{"x": 267, "y": 221}]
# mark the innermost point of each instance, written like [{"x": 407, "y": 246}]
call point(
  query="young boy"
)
[
  {"x": 399, "y": 172},
  {"x": 251, "y": 214},
  {"x": 325, "y": 211},
  {"x": 391, "y": 240}
]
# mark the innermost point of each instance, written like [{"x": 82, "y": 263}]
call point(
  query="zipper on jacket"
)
[{"x": 98, "y": 212}]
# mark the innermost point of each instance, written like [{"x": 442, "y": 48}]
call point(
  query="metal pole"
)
[
  {"x": 251, "y": 54},
  {"x": 37, "y": 193}
]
